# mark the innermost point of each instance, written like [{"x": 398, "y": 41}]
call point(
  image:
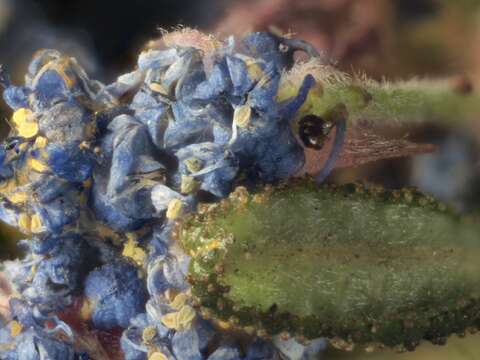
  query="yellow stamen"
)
[
  {"x": 179, "y": 320},
  {"x": 193, "y": 164},
  {"x": 15, "y": 328},
  {"x": 157, "y": 355},
  {"x": 86, "y": 310},
  {"x": 175, "y": 209},
  {"x": 24, "y": 223},
  {"x": 148, "y": 334},
  {"x": 186, "y": 315},
  {"x": 254, "y": 70},
  {"x": 170, "y": 320},
  {"x": 188, "y": 185},
  {"x": 37, "y": 165},
  {"x": 159, "y": 88},
  {"x": 36, "y": 224},
  {"x": 242, "y": 116},
  {"x": 18, "y": 197},
  {"x": 21, "y": 115},
  {"x": 40, "y": 142},
  {"x": 179, "y": 301},
  {"x": 25, "y": 123},
  {"x": 212, "y": 245},
  {"x": 134, "y": 252}
]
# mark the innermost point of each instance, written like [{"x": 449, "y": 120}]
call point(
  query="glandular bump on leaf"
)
[{"x": 362, "y": 265}]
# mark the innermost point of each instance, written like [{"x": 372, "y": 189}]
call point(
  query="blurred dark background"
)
[
  {"x": 104, "y": 35},
  {"x": 393, "y": 38}
]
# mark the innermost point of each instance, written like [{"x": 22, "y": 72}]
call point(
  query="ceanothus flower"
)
[
  {"x": 153, "y": 330},
  {"x": 265, "y": 144},
  {"x": 48, "y": 149},
  {"x": 115, "y": 294},
  {"x": 53, "y": 77},
  {"x": 212, "y": 166},
  {"x": 90, "y": 168},
  {"x": 259, "y": 131},
  {"x": 164, "y": 101},
  {"x": 34, "y": 344},
  {"x": 123, "y": 181},
  {"x": 27, "y": 336},
  {"x": 51, "y": 272}
]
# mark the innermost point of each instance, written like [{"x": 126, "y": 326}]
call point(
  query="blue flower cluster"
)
[
  {"x": 31, "y": 335},
  {"x": 97, "y": 174}
]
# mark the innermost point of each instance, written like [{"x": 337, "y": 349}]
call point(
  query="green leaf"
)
[{"x": 363, "y": 266}]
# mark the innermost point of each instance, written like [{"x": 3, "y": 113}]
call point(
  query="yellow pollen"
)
[
  {"x": 186, "y": 315},
  {"x": 159, "y": 88},
  {"x": 86, "y": 310},
  {"x": 170, "y": 320},
  {"x": 84, "y": 145},
  {"x": 179, "y": 301},
  {"x": 179, "y": 320},
  {"x": 242, "y": 116},
  {"x": 25, "y": 123},
  {"x": 40, "y": 142},
  {"x": 36, "y": 224},
  {"x": 254, "y": 70},
  {"x": 24, "y": 223},
  {"x": 134, "y": 252},
  {"x": 37, "y": 165},
  {"x": 18, "y": 197},
  {"x": 148, "y": 334},
  {"x": 157, "y": 355},
  {"x": 188, "y": 185},
  {"x": 193, "y": 164},
  {"x": 175, "y": 209},
  {"x": 15, "y": 328}
]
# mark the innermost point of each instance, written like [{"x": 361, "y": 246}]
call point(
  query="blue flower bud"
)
[
  {"x": 66, "y": 123},
  {"x": 35, "y": 344},
  {"x": 122, "y": 184},
  {"x": 49, "y": 88},
  {"x": 216, "y": 170},
  {"x": 218, "y": 83},
  {"x": 165, "y": 273},
  {"x": 52, "y": 272},
  {"x": 116, "y": 294},
  {"x": 70, "y": 162},
  {"x": 28, "y": 337},
  {"x": 16, "y": 97},
  {"x": 6, "y": 169},
  {"x": 131, "y": 340},
  {"x": 185, "y": 345}
]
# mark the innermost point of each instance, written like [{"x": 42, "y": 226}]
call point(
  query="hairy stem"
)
[{"x": 410, "y": 102}]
